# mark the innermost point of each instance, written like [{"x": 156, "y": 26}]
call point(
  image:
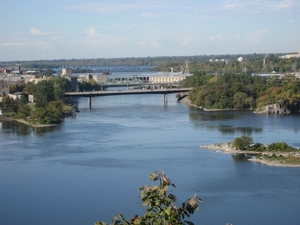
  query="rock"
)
[{"x": 273, "y": 109}]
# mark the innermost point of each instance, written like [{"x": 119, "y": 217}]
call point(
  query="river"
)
[{"x": 91, "y": 166}]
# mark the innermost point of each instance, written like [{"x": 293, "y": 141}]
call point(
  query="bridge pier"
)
[
  {"x": 165, "y": 98},
  {"x": 90, "y": 102}
]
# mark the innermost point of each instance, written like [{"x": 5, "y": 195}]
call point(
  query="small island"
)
[{"x": 275, "y": 154}]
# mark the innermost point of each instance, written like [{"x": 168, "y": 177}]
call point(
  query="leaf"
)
[
  {"x": 153, "y": 176},
  {"x": 168, "y": 211}
]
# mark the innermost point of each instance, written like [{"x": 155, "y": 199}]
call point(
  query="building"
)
[
  {"x": 166, "y": 79},
  {"x": 65, "y": 72},
  {"x": 4, "y": 87},
  {"x": 35, "y": 79},
  {"x": 291, "y": 55}
]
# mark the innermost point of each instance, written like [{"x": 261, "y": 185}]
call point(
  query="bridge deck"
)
[{"x": 125, "y": 92}]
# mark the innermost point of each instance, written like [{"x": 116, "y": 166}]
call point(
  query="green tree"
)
[
  {"x": 30, "y": 88},
  {"x": 239, "y": 99},
  {"x": 23, "y": 111},
  {"x": 161, "y": 207},
  {"x": 242, "y": 142},
  {"x": 44, "y": 93},
  {"x": 51, "y": 114}
]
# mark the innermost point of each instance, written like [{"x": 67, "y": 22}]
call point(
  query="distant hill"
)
[{"x": 130, "y": 61}]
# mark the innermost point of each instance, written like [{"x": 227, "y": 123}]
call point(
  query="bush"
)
[
  {"x": 258, "y": 147},
  {"x": 161, "y": 208},
  {"x": 280, "y": 146},
  {"x": 242, "y": 142}
]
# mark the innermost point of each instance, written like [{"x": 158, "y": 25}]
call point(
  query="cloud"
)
[
  {"x": 257, "y": 36},
  {"x": 155, "y": 44},
  {"x": 18, "y": 44},
  {"x": 142, "y": 43},
  {"x": 283, "y": 5},
  {"x": 232, "y": 4},
  {"x": 218, "y": 37},
  {"x": 187, "y": 40},
  {"x": 91, "y": 32},
  {"x": 36, "y": 31},
  {"x": 102, "y": 7}
]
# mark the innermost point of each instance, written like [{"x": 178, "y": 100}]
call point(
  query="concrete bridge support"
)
[{"x": 90, "y": 102}]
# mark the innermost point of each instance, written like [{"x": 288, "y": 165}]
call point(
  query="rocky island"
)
[{"x": 287, "y": 157}]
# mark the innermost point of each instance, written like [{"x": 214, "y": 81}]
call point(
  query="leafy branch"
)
[{"x": 160, "y": 205}]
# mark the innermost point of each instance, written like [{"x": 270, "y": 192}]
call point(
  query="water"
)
[{"x": 90, "y": 167}]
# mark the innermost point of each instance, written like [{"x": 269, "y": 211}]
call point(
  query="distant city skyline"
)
[{"x": 66, "y": 29}]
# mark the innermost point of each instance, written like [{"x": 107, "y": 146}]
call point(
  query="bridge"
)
[{"x": 90, "y": 94}]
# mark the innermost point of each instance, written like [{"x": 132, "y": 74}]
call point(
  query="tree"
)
[
  {"x": 161, "y": 208},
  {"x": 242, "y": 142},
  {"x": 44, "y": 93},
  {"x": 23, "y": 111},
  {"x": 239, "y": 100},
  {"x": 30, "y": 88}
]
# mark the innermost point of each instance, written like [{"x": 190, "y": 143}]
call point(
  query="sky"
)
[{"x": 67, "y": 29}]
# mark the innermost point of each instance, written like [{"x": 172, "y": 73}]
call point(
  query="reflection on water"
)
[
  {"x": 245, "y": 130},
  {"x": 224, "y": 121},
  {"x": 200, "y": 115},
  {"x": 241, "y": 157},
  {"x": 20, "y": 129}
]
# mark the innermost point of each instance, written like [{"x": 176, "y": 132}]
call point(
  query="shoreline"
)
[
  {"x": 29, "y": 124},
  {"x": 226, "y": 148},
  {"x": 188, "y": 102}
]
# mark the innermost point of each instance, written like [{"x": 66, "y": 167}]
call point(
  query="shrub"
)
[
  {"x": 161, "y": 208},
  {"x": 242, "y": 142},
  {"x": 280, "y": 146}
]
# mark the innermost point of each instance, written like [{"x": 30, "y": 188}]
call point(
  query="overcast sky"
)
[{"x": 66, "y": 29}]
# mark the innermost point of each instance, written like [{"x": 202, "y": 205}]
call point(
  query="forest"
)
[{"x": 243, "y": 91}]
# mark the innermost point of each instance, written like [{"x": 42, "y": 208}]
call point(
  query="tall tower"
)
[
  {"x": 187, "y": 70},
  {"x": 264, "y": 63}
]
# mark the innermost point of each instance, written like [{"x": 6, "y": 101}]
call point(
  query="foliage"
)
[
  {"x": 161, "y": 208},
  {"x": 51, "y": 90},
  {"x": 258, "y": 147},
  {"x": 242, "y": 91},
  {"x": 30, "y": 88},
  {"x": 17, "y": 86},
  {"x": 23, "y": 111},
  {"x": 242, "y": 142},
  {"x": 9, "y": 102},
  {"x": 91, "y": 85},
  {"x": 51, "y": 114},
  {"x": 44, "y": 93},
  {"x": 280, "y": 146}
]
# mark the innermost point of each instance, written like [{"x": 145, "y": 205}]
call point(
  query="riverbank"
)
[
  {"x": 286, "y": 159},
  {"x": 27, "y": 123},
  {"x": 188, "y": 102}
]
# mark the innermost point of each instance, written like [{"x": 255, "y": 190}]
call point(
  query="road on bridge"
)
[
  {"x": 126, "y": 92},
  {"x": 90, "y": 94}
]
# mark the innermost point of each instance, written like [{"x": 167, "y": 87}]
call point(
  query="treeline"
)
[
  {"x": 217, "y": 64},
  {"x": 242, "y": 91},
  {"x": 162, "y": 63},
  {"x": 49, "y": 108}
]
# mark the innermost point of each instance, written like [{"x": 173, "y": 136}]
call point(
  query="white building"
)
[
  {"x": 291, "y": 55},
  {"x": 240, "y": 59},
  {"x": 167, "y": 79}
]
